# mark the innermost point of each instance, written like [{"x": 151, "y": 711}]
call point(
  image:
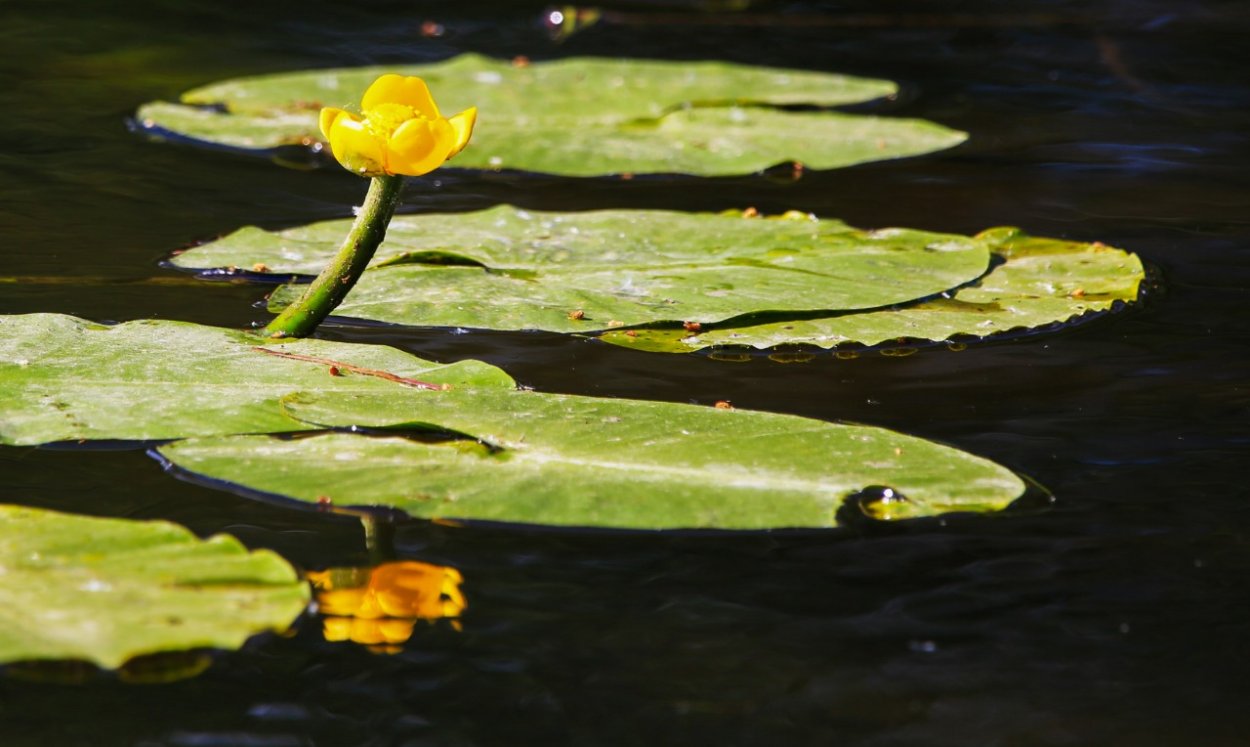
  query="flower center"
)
[{"x": 384, "y": 118}]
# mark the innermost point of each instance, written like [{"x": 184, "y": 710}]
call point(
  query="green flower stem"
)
[
  {"x": 331, "y": 286},
  {"x": 379, "y": 538}
]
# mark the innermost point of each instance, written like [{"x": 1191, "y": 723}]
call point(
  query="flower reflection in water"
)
[{"x": 379, "y": 607}]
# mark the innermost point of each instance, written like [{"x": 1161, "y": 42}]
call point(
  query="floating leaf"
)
[
  {"x": 1041, "y": 282},
  {"x": 579, "y": 461},
  {"x": 581, "y": 272},
  {"x": 70, "y": 379},
  {"x": 509, "y": 237},
  {"x": 511, "y": 455},
  {"x": 583, "y": 116},
  {"x": 506, "y": 268},
  {"x": 106, "y": 590}
]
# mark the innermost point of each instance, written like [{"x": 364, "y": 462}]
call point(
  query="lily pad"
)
[
  {"x": 499, "y": 454},
  {"x": 797, "y": 278},
  {"x": 560, "y": 460},
  {"x": 1041, "y": 282},
  {"x": 508, "y": 237},
  {"x": 506, "y": 268},
  {"x": 107, "y": 590},
  {"x": 67, "y": 379},
  {"x": 582, "y": 116}
]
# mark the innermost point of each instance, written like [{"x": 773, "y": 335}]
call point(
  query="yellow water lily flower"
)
[{"x": 400, "y": 130}]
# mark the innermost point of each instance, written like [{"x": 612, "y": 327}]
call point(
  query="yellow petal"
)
[
  {"x": 453, "y": 602},
  {"x": 360, "y": 151},
  {"x": 395, "y": 631},
  {"x": 462, "y": 125},
  {"x": 340, "y": 601},
  {"x": 419, "y": 146},
  {"x": 398, "y": 89},
  {"x": 369, "y": 608},
  {"x": 366, "y": 632},
  {"x": 328, "y": 117},
  {"x": 337, "y": 629}
]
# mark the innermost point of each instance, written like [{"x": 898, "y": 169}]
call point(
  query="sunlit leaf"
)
[
  {"x": 580, "y": 272},
  {"x": 506, "y": 268},
  {"x": 583, "y": 116},
  {"x": 66, "y": 379},
  {"x": 561, "y": 460},
  {"x": 1041, "y": 282},
  {"x": 106, "y": 590},
  {"x": 497, "y": 453},
  {"x": 509, "y": 237}
]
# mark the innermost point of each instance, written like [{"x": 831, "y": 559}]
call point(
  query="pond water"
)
[{"x": 1118, "y": 615}]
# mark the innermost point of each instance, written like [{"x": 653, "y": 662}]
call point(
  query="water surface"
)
[{"x": 1117, "y": 616}]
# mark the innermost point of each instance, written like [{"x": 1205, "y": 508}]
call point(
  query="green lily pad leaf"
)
[
  {"x": 107, "y": 590},
  {"x": 560, "y": 460},
  {"x": 510, "y": 238},
  {"x": 68, "y": 379},
  {"x": 1041, "y": 282},
  {"x": 582, "y": 116},
  {"x": 580, "y": 272}
]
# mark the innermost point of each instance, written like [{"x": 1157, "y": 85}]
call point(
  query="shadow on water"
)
[{"x": 1116, "y": 616}]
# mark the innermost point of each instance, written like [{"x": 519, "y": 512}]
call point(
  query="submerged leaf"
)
[
  {"x": 65, "y": 378},
  {"x": 506, "y": 268},
  {"x": 583, "y": 116},
  {"x": 1041, "y": 282},
  {"x": 106, "y": 590},
  {"x": 579, "y": 461}
]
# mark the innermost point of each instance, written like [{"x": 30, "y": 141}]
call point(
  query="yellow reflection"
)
[{"x": 378, "y": 607}]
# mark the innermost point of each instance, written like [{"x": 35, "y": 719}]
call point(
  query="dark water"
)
[{"x": 1120, "y": 616}]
